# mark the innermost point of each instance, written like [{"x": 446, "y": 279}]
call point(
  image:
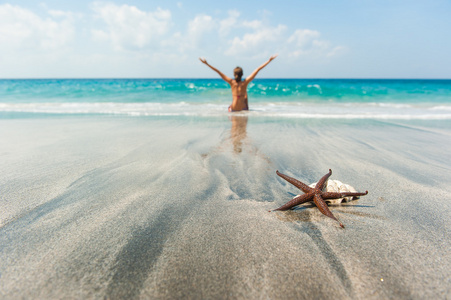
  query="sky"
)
[{"x": 164, "y": 39}]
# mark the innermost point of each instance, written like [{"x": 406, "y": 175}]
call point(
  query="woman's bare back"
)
[{"x": 239, "y": 94}]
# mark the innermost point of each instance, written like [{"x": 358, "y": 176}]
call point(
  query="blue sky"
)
[{"x": 314, "y": 39}]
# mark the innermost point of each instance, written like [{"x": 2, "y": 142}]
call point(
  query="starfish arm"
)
[
  {"x": 300, "y": 185},
  {"x": 331, "y": 195},
  {"x": 296, "y": 201},
  {"x": 322, "y": 206},
  {"x": 322, "y": 181}
]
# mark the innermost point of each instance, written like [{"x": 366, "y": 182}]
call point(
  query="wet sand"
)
[{"x": 171, "y": 208}]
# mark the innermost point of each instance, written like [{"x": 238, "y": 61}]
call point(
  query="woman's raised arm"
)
[
  {"x": 224, "y": 77},
  {"x": 252, "y": 76}
]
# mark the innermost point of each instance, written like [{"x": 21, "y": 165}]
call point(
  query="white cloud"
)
[
  {"x": 227, "y": 24},
  {"x": 21, "y": 29},
  {"x": 303, "y": 37},
  {"x": 259, "y": 39},
  {"x": 255, "y": 24},
  {"x": 337, "y": 50},
  {"x": 199, "y": 26},
  {"x": 52, "y": 43},
  {"x": 257, "y": 43},
  {"x": 129, "y": 28},
  {"x": 308, "y": 42},
  {"x": 59, "y": 13},
  {"x": 195, "y": 36}
]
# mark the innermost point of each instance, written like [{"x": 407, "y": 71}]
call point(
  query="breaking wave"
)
[{"x": 276, "y": 110}]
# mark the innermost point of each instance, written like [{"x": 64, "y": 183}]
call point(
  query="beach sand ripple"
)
[{"x": 171, "y": 208}]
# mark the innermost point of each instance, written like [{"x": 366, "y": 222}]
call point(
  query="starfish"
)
[{"x": 316, "y": 194}]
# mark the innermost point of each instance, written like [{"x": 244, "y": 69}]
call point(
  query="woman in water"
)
[{"x": 239, "y": 87}]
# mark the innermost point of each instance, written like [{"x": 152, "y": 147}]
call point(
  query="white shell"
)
[{"x": 337, "y": 186}]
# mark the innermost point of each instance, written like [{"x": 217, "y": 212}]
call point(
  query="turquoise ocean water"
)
[{"x": 278, "y": 98}]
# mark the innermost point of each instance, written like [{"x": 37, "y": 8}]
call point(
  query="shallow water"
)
[{"x": 272, "y": 98}]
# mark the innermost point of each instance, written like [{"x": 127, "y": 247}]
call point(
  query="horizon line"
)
[{"x": 215, "y": 78}]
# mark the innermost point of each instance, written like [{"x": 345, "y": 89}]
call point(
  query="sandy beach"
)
[{"x": 177, "y": 208}]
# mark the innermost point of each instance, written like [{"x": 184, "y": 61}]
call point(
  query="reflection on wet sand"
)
[
  {"x": 238, "y": 132},
  {"x": 238, "y": 163},
  {"x": 238, "y": 139}
]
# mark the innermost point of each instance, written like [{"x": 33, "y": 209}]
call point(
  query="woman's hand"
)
[{"x": 203, "y": 60}]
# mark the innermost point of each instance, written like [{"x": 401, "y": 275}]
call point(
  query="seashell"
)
[{"x": 337, "y": 186}]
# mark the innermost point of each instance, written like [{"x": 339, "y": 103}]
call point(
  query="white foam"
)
[
  {"x": 441, "y": 108},
  {"x": 391, "y": 105},
  {"x": 317, "y": 86},
  {"x": 276, "y": 110}
]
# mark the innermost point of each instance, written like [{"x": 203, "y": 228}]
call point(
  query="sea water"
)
[{"x": 271, "y": 98}]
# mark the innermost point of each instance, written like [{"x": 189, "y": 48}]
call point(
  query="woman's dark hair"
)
[{"x": 238, "y": 73}]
